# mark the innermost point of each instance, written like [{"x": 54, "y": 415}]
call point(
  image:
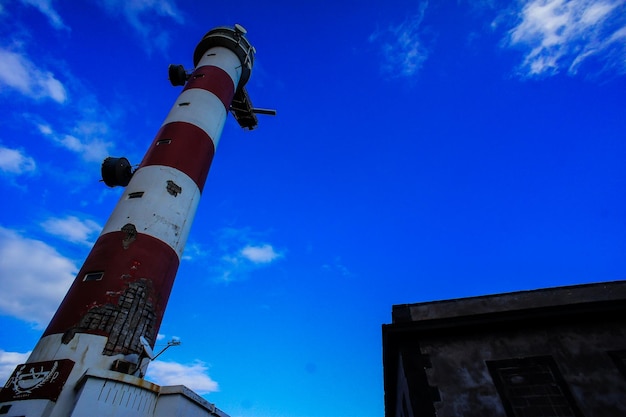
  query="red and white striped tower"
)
[{"x": 121, "y": 291}]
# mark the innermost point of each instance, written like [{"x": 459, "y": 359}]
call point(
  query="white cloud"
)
[
  {"x": 8, "y": 363},
  {"x": 192, "y": 376},
  {"x": 13, "y": 161},
  {"x": 260, "y": 254},
  {"x": 141, "y": 15},
  {"x": 85, "y": 140},
  {"x": 34, "y": 277},
  {"x": 562, "y": 34},
  {"x": 237, "y": 252},
  {"x": 45, "y": 7},
  {"x": 73, "y": 229},
  {"x": 19, "y": 73},
  {"x": 237, "y": 264},
  {"x": 402, "y": 46},
  {"x": 194, "y": 251},
  {"x": 45, "y": 129}
]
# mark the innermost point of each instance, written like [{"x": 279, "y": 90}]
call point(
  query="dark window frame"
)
[
  {"x": 135, "y": 194},
  {"x": 93, "y": 276},
  {"x": 542, "y": 394}
]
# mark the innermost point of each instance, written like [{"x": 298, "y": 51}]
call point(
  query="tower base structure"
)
[{"x": 114, "y": 394}]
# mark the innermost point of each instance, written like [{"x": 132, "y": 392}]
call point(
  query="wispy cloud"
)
[
  {"x": 239, "y": 263},
  {"x": 45, "y": 7},
  {"x": 402, "y": 45},
  {"x": 193, "y": 376},
  {"x": 14, "y": 161},
  {"x": 561, "y": 35},
  {"x": 237, "y": 252},
  {"x": 194, "y": 251},
  {"x": 34, "y": 277},
  {"x": 142, "y": 14},
  {"x": 72, "y": 229},
  {"x": 8, "y": 362},
  {"x": 87, "y": 139},
  {"x": 337, "y": 267},
  {"x": 19, "y": 73}
]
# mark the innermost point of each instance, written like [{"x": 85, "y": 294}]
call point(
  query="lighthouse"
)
[{"x": 93, "y": 355}]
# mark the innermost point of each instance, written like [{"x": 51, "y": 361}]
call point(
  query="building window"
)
[
  {"x": 93, "y": 276},
  {"x": 136, "y": 194},
  {"x": 532, "y": 387}
]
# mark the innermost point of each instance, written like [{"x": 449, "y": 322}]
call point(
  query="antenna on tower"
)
[
  {"x": 243, "y": 111},
  {"x": 146, "y": 347},
  {"x": 150, "y": 353},
  {"x": 142, "y": 365},
  {"x": 177, "y": 75}
]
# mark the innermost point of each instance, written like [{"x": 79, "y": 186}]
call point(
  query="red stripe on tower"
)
[{"x": 213, "y": 79}]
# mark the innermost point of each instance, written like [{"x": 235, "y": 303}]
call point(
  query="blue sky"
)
[{"x": 422, "y": 151}]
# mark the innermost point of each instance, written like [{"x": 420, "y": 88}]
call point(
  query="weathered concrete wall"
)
[
  {"x": 467, "y": 389},
  {"x": 112, "y": 394},
  {"x": 545, "y": 348},
  {"x": 508, "y": 302}
]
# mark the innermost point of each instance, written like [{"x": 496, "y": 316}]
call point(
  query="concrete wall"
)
[
  {"x": 180, "y": 401},
  {"x": 467, "y": 389},
  {"x": 441, "y": 352},
  {"x": 112, "y": 394}
]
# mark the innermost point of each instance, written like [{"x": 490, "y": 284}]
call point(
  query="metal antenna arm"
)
[
  {"x": 169, "y": 344},
  {"x": 244, "y": 113},
  {"x": 269, "y": 112}
]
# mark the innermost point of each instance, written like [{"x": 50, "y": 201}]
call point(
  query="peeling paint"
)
[
  {"x": 173, "y": 188},
  {"x": 131, "y": 234},
  {"x": 123, "y": 320}
]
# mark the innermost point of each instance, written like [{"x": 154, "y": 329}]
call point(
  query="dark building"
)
[{"x": 551, "y": 352}]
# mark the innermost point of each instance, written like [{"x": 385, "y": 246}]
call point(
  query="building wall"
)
[
  {"x": 112, "y": 398},
  {"x": 180, "y": 401},
  {"x": 551, "y": 352},
  {"x": 113, "y": 394},
  {"x": 581, "y": 352}
]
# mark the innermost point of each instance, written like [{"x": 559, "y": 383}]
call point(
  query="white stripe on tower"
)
[{"x": 160, "y": 201}]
